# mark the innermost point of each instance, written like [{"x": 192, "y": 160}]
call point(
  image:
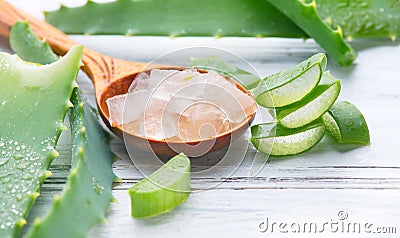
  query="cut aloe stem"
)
[
  {"x": 248, "y": 80},
  {"x": 291, "y": 85},
  {"x": 305, "y": 15},
  {"x": 346, "y": 124},
  {"x": 276, "y": 140},
  {"x": 88, "y": 188},
  {"x": 33, "y": 103},
  {"x": 163, "y": 190},
  {"x": 313, "y": 106}
]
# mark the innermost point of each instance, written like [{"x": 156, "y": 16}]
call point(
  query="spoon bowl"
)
[
  {"x": 170, "y": 148},
  {"x": 111, "y": 77}
]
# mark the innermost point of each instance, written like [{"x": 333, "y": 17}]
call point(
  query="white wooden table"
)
[{"x": 331, "y": 182}]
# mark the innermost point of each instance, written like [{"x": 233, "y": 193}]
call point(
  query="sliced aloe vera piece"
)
[
  {"x": 163, "y": 190},
  {"x": 88, "y": 189},
  {"x": 34, "y": 100},
  {"x": 248, "y": 80},
  {"x": 313, "y": 106},
  {"x": 291, "y": 85},
  {"x": 276, "y": 140},
  {"x": 304, "y": 14},
  {"x": 346, "y": 124}
]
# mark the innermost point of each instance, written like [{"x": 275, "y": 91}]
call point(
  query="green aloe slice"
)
[
  {"x": 246, "y": 79},
  {"x": 313, "y": 106},
  {"x": 34, "y": 100},
  {"x": 304, "y": 14},
  {"x": 276, "y": 140},
  {"x": 346, "y": 124},
  {"x": 88, "y": 189},
  {"x": 163, "y": 190},
  {"x": 291, "y": 85}
]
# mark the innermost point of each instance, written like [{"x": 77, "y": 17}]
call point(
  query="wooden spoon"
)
[{"x": 111, "y": 77}]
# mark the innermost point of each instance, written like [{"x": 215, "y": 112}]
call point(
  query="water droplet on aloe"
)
[
  {"x": 19, "y": 197},
  {"x": 27, "y": 176},
  {"x": 18, "y": 156},
  {"x": 3, "y": 161},
  {"x": 6, "y": 180},
  {"x": 34, "y": 158},
  {"x": 97, "y": 186},
  {"x": 22, "y": 165}
]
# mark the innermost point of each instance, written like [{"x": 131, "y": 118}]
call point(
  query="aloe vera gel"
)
[{"x": 182, "y": 105}]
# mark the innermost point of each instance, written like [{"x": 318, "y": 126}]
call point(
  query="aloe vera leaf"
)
[
  {"x": 305, "y": 15},
  {"x": 89, "y": 185},
  {"x": 291, "y": 85},
  {"x": 362, "y": 18},
  {"x": 277, "y": 140},
  {"x": 346, "y": 124},
  {"x": 246, "y": 79},
  {"x": 176, "y": 18},
  {"x": 88, "y": 189},
  {"x": 34, "y": 100},
  {"x": 163, "y": 190},
  {"x": 357, "y": 18},
  {"x": 313, "y": 106}
]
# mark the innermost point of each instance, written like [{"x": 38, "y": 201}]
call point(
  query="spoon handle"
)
[{"x": 95, "y": 65}]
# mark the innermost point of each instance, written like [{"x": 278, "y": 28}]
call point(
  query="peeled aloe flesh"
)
[
  {"x": 313, "y": 106},
  {"x": 33, "y": 103},
  {"x": 163, "y": 190},
  {"x": 291, "y": 85},
  {"x": 276, "y": 140},
  {"x": 88, "y": 188},
  {"x": 346, "y": 124},
  {"x": 246, "y": 79}
]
